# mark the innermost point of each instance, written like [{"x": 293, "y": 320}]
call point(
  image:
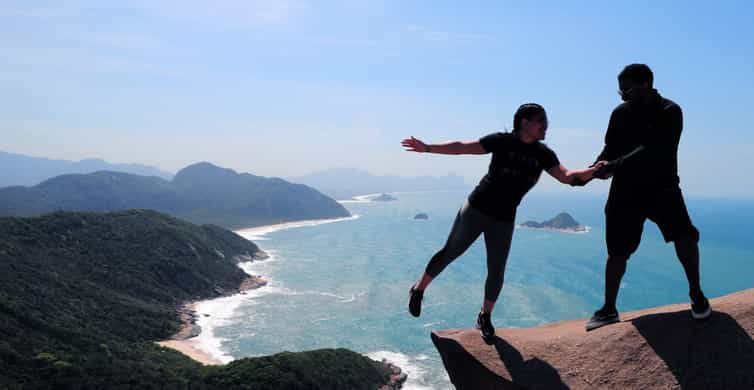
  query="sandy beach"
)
[
  {"x": 191, "y": 349},
  {"x": 186, "y": 342}
]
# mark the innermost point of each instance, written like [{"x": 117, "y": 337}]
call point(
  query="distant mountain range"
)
[
  {"x": 344, "y": 183},
  {"x": 200, "y": 193},
  {"x": 21, "y": 170}
]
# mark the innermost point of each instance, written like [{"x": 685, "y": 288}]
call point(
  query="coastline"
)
[
  {"x": 199, "y": 344},
  {"x": 186, "y": 340},
  {"x": 258, "y": 232}
]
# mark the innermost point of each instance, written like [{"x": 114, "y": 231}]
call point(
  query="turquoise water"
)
[{"x": 345, "y": 284}]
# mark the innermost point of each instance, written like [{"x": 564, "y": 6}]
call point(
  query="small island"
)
[
  {"x": 562, "y": 222},
  {"x": 421, "y": 216},
  {"x": 384, "y": 198}
]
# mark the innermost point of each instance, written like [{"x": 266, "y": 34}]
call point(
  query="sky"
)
[{"x": 288, "y": 87}]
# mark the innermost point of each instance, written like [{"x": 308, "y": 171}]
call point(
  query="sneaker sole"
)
[
  {"x": 592, "y": 325},
  {"x": 701, "y": 316}
]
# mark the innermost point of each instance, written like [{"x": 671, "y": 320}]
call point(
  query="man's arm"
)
[
  {"x": 454, "y": 147},
  {"x": 608, "y": 151}
]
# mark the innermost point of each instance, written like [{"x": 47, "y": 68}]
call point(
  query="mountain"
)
[
  {"x": 658, "y": 348},
  {"x": 84, "y": 297},
  {"x": 200, "y": 193},
  {"x": 21, "y": 170},
  {"x": 344, "y": 183},
  {"x": 562, "y": 221}
]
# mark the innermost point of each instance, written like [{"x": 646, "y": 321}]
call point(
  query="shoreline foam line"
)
[
  {"x": 211, "y": 313},
  {"x": 366, "y": 197},
  {"x": 258, "y": 232}
]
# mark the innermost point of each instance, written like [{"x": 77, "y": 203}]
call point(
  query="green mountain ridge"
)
[
  {"x": 83, "y": 297},
  {"x": 200, "y": 193}
]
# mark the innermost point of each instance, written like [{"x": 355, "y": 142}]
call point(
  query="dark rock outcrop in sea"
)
[
  {"x": 658, "y": 348},
  {"x": 562, "y": 221}
]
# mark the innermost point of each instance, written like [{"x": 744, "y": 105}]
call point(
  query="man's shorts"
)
[{"x": 625, "y": 220}]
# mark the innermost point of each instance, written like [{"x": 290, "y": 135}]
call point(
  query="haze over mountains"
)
[
  {"x": 200, "y": 193},
  {"x": 344, "y": 183},
  {"x": 21, "y": 170}
]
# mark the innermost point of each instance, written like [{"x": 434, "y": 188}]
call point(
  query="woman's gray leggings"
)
[{"x": 469, "y": 224}]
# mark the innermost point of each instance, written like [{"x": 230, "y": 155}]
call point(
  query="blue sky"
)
[{"x": 285, "y": 87}]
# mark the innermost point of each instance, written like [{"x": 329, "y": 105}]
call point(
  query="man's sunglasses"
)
[{"x": 624, "y": 92}]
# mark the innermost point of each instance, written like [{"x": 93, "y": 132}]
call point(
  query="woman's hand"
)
[{"x": 415, "y": 145}]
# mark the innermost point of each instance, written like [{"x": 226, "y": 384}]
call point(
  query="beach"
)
[
  {"x": 187, "y": 341},
  {"x": 194, "y": 341}
]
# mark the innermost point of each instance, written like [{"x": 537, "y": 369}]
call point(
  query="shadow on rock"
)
[
  {"x": 534, "y": 373},
  {"x": 693, "y": 349}
]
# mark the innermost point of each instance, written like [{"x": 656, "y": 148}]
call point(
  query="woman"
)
[{"x": 518, "y": 159}]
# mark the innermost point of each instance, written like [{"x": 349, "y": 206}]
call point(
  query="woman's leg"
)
[
  {"x": 497, "y": 239},
  {"x": 467, "y": 227}
]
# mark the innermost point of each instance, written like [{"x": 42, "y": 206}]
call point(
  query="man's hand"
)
[
  {"x": 414, "y": 145},
  {"x": 584, "y": 177},
  {"x": 603, "y": 170}
]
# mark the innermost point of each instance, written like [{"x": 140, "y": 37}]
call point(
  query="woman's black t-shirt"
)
[{"x": 514, "y": 169}]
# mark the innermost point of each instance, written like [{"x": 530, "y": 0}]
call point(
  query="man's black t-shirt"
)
[
  {"x": 656, "y": 125},
  {"x": 514, "y": 169}
]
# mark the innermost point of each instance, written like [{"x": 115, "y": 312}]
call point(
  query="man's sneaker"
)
[
  {"x": 484, "y": 323},
  {"x": 601, "y": 318},
  {"x": 415, "y": 301},
  {"x": 700, "y": 309}
]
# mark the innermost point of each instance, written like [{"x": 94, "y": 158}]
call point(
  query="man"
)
[{"x": 641, "y": 151}]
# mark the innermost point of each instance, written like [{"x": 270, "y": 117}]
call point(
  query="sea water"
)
[{"x": 345, "y": 284}]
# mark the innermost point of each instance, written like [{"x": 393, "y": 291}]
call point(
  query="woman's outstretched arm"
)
[
  {"x": 454, "y": 147},
  {"x": 577, "y": 177}
]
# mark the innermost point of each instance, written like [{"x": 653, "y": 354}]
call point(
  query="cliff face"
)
[{"x": 659, "y": 348}]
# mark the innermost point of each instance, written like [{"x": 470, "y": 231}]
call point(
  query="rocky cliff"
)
[{"x": 659, "y": 348}]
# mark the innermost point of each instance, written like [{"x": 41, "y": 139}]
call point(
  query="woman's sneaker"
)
[
  {"x": 700, "y": 308},
  {"x": 602, "y": 317},
  {"x": 415, "y": 301},
  {"x": 484, "y": 324}
]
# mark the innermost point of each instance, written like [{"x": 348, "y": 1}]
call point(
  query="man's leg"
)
[
  {"x": 614, "y": 271},
  {"x": 623, "y": 228},
  {"x": 672, "y": 217},
  {"x": 687, "y": 250}
]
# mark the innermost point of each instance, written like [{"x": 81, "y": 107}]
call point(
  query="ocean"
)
[{"x": 344, "y": 283}]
